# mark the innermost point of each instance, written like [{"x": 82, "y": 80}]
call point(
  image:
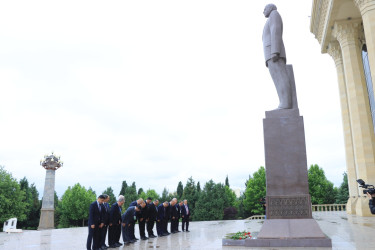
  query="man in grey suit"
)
[{"x": 274, "y": 53}]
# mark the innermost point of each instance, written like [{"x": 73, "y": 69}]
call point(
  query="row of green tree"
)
[{"x": 215, "y": 201}]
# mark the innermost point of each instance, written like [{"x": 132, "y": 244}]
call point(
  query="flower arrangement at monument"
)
[{"x": 241, "y": 236}]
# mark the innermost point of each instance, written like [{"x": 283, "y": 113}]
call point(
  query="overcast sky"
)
[{"x": 154, "y": 91}]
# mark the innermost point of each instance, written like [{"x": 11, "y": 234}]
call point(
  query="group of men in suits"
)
[{"x": 103, "y": 218}]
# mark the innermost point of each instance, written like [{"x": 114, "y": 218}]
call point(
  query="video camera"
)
[{"x": 369, "y": 188}]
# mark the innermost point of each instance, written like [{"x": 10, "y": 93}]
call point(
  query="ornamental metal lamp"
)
[{"x": 51, "y": 163}]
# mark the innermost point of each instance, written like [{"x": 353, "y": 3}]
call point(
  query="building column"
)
[
  {"x": 334, "y": 50},
  {"x": 367, "y": 9},
  {"x": 347, "y": 33}
]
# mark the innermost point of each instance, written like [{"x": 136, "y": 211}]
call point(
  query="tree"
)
[
  {"x": 343, "y": 191},
  {"x": 130, "y": 194},
  {"x": 124, "y": 186},
  {"x": 164, "y": 195},
  {"x": 255, "y": 190},
  {"x": 227, "y": 181},
  {"x": 11, "y": 198},
  {"x": 212, "y": 202},
  {"x": 190, "y": 194},
  {"x": 180, "y": 190},
  {"x": 321, "y": 190},
  {"x": 140, "y": 190},
  {"x": 112, "y": 198},
  {"x": 75, "y": 204},
  {"x": 152, "y": 194},
  {"x": 198, "y": 187},
  {"x": 32, "y": 205}
]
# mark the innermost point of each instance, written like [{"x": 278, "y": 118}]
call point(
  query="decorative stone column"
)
[
  {"x": 347, "y": 33},
  {"x": 334, "y": 50},
  {"x": 51, "y": 163},
  {"x": 367, "y": 9}
]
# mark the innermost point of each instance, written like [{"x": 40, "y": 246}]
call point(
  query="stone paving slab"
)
[{"x": 346, "y": 232}]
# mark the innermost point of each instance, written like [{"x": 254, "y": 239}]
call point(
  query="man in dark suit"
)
[
  {"x": 174, "y": 215},
  {"x": 105, "y": 213},
  {"x": 95, "y": 224},
  {"x": 114, "y": 231},
  {"x": 128, "y": 222},
  {"x": 152, "y": 217},
  {"x": 160, "y": 219},
  {"x": 142, "y": 216},
  {"x": 166, "y": 216},
  {"x": 179, "y": 214},
  {"x": 185, "y": 214}
]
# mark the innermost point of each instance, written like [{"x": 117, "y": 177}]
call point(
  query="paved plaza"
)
[{"x": 346, "y": 232}]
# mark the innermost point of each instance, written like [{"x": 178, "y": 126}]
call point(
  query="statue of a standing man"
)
[{"x": 274, "y": 53}]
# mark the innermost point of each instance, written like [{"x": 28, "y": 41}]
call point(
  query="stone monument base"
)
[
  {"x": 286, "y": 233},
  {"x": 290, "y": 233},
  {"x": 47, "y": 219}
]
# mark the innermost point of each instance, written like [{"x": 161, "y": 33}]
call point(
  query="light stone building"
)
[{"x": 345, "y": 30}]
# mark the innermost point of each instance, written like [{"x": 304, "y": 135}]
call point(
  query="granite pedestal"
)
[{"x": 289, "y": 218}]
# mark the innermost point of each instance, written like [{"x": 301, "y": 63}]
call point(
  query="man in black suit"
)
[
  {"x": 185, "y": 214},
  {"x": 95, "y": 224},
  {"x": 159, "y": 219},
  {"x": 152, "y": 217},
  {"x": 114, "y": 231},
  {"x": 166, "y": 216},
  {"x": 142, "y": 216},
  {"x": 179, "y": 214},
  {"x": 174, "y": 215},
  {"x": 105, "y": 213},
  {"x": 128, "y": 222}
]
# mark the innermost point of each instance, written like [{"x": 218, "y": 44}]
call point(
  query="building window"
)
[{"x": 370, "y": 90}]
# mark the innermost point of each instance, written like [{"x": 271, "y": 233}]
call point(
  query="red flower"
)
[{"x": 240, "y": 238}]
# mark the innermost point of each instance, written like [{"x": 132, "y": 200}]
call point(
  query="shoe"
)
[
  {"x": 136, "y": 238},
  {"x": 152, "y": 236},
  {"x": 132, "y": 241},
  {"x": 104, "y": 247},
  {"x": 165, "y": 234},
  {"x": 144, "y": 238},
  {"x": 160, "y": 235},
  {"x": 187, "y": 230},
  {"x": 118, "y": 243},
  {"x": 112, "y": 246}
]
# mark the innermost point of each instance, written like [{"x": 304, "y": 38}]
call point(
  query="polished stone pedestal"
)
[{"x": 289, "y": 218}]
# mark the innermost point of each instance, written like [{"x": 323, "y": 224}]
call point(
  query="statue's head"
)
[{"x": 268, "y": 9}]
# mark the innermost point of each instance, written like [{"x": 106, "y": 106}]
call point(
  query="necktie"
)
[
  {"x": 100, "y": 209},
  {"x": 187, "y": 209}
]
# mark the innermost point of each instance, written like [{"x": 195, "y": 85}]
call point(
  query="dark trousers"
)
[
  {"x": 126, "y": 233},
  {"x": 150, "y": 226},
  {"x": 165, "y": 225},
  {"x": 159, "y": 227},
  {"x": 114, "y": 233},
  {"x": 93, "y": 238},
  {"x": 131, "y": 231},
  {"x": 174, "y": 224},
  {"x": 103, "y": 235},
  {"x": 185, "y": 220},
  {"x": 142, "y": 227}
]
